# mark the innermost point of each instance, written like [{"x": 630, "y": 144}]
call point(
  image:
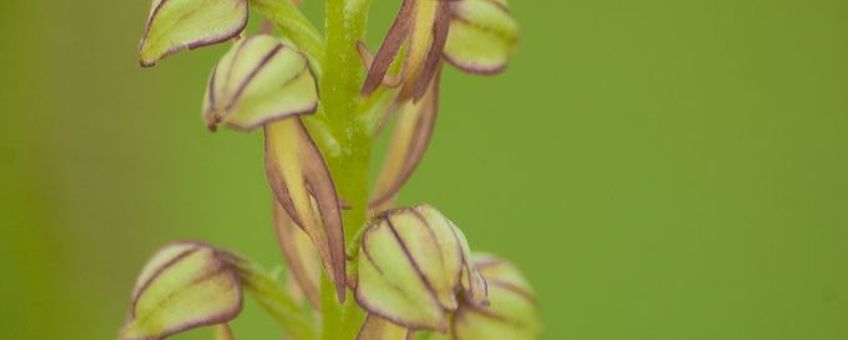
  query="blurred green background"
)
[{"x": 660, "y": 169}]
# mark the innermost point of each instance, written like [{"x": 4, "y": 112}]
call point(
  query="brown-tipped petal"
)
[
  {"x": 259, "y": 80},
  {"x": 409, "y": 142},
  {"x": 175, "y": 25},
  {"x": 223, "y": 332},
  {"x": 389, "y": 80},
  {"x": 377, "y": 328},
  {"x": 183, "y": 286},
  {"x": 302, "y": 257},
  {"x": 303, "y": 186},
  {"x": 421, "y": 41},
  {"x": 483, "y": 35},
  {"x": 433, "y": 63},
  {"x": 391, "y": 44}
]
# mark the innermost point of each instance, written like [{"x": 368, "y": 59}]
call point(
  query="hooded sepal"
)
[
  {"x": 412, "y": 263},
  {"x": 409, "y": 142},
  {"x": 174, "y": 25},
  {"x": 483, "y": 35},
  {"x": 304, "y": 188},
  {"x": 259, "y": 80},
  {"x": 183, "y": 286}
]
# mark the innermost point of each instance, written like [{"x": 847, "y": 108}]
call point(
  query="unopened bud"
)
[
  {"x": 258, "y": 81},
  {"x": 175, "y": 25},
  {"x": 412, "y": 264},
  {"x": 183, "y": 286}
]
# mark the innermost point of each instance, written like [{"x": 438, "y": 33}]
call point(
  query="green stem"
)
[{"x": 340, "y": 98}]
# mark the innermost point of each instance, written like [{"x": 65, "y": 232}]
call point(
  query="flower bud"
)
[
  {"x": 175, "y": 25},
  {"x": 482, "y": 35},
  {"x": 412, "y": 263},
  {"x": 184, "y": 285},
  {"x": 259, "y": 80},
  {"x": 511, "y": 313}
]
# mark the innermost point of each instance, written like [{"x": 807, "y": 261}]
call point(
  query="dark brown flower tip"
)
[
  {"x": 173, "y": 26},
  {"x": 304, "y": 187},
  {"x": 409, "y": 143}
]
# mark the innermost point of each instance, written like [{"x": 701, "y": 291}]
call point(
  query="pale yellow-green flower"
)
[
  {"x": 413, "y": 263},
  {"x": 258, "y": 81},
  {"x": 183, "y": 286},
  {"x": 174, "y": 25}
]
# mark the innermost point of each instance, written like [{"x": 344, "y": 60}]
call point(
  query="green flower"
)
[
  {"x": 259, "y": 80},
  {"x": 183, "y": 286},
  {"x": 412, "y": 263},
  {"x": 175, "y": 25}
]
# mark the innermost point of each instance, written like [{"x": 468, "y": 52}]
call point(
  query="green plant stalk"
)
[
  {"x": 345, "y": 139},
  {"x": 340, "y": 96}
]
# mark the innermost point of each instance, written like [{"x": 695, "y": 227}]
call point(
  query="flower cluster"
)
[{"x": 410, "y": 269}]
